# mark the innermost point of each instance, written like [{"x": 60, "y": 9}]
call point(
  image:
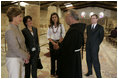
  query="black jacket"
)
[
  {"x": 69, "y": 61},
  {"x": 95, "y": 37},
  {"x": 31, "y": 40}
]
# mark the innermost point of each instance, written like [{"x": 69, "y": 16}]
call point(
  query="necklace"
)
[{"x": 55, "y": 31}]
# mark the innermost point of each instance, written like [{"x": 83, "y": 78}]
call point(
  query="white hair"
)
[{"x": 74, "y": 14}]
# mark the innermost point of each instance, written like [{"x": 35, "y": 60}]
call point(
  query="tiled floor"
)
[{"x": 107, "y": 56}]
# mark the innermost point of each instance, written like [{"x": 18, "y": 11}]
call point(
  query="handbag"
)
[{"x": 39, "y": 64}]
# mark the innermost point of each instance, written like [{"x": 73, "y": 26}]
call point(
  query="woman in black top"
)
[{"x": 32, "y": 43}]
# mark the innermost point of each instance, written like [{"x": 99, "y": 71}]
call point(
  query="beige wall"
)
[
  {"x": 4, "y": 21},
  {"x": 43, "y": 17},
  {"x": 34, "y": 12}
]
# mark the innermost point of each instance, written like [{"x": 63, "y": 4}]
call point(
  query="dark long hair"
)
[{"x": 51, "y": 21}]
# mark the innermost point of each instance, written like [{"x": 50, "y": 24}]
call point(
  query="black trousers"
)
[
  {"x": 93, "y": 59},
  {"x": 54, "y": 56},
  {"x": 33, "y": 63}
]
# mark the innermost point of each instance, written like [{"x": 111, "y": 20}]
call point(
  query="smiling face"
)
[
  {"x": 17, "y": 19},
  {"x": 29, "y": 22}
]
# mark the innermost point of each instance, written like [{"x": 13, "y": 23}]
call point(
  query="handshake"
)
[{"x": 56, "y": 46}]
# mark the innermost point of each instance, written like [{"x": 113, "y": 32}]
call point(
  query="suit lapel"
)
[
  {"x": 29, "y": 33},
  {"x": 89, "y": 28},
  {"x": 34, "y": 31},
  {"x": 95, "y": 28}
]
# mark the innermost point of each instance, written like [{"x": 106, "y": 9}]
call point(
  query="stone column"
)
[
  {"x": 59, "y": 11},
  {"x": 51, "y": 9},
  {"x": 34, "y": 12}
]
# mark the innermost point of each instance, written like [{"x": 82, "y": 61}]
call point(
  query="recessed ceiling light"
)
[
  {"x": 13, "y": 1},
  {"x": 23, "y": 4},
  {"x": 68, "y": 5},
  {"x": 91, "y": 13}
]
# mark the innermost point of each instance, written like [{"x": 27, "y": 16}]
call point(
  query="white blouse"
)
[{"x": 56, "y": 33}]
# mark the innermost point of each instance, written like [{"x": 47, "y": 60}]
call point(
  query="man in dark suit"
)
[
  {"x": 95, "y": 35},
  {"x": 32, "y": 43}
]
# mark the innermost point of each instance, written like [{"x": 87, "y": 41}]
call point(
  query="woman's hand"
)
[
  {"x": 26, "y": 61},
  {"x": 53, "y": 43},
  {"x": 60, "y": 40},
  {"x": 56, "y": 46}
]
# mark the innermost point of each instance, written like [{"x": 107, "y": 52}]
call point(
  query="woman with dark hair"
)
[
  {"x": 55, "y": 35},
  {"x": 17, "y": 53},
  {"x": 32, "y": 43}
]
